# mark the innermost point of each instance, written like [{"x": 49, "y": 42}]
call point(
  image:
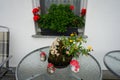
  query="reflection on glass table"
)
[
  {"x": 32, "y": 68},
  {"x": 112, "y": 61}
]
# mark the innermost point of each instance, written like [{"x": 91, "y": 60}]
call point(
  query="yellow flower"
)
[
  {"x": 90, "y": 48},
  {"x": 72, "y": 34},
  {"x": 71, "y": 40}
]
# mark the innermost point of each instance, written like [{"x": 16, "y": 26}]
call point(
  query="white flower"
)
[
  {"x": 52, "y": 52},
  {"x": 57, "y": 54},
  {"x": 56, "y": 42},
  {"x": 78, "y": 44}
]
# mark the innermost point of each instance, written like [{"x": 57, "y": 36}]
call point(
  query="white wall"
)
[
  {"x": 102, "y": 27},
  {"x": 17, "y": 15}
]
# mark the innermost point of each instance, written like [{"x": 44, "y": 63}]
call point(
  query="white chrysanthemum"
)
[
  {"x": 57, "y": 54},
  {"x": 55, "y": 51},
  {"x": 52, "y": 52},
  {"x": 56, "y": 42}
]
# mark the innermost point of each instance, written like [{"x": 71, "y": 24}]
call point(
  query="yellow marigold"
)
[
  {"x": 90, "y": 48},
  {"x": 72, "y": 34},
  {"x": 71, "y": 40}
]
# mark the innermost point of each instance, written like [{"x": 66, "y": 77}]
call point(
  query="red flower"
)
[
  {"x": 77, "y": 67},
  {"x": 36, "y": 17},
  {"x": 50, "y": 65},
  {"x": 74, "y": 63},
  {"x": 35, "y": 10},
  {"x": 83, "y": 11},
  {"x": 42, "y": 54},
  {"x": 71, "y": 7}
]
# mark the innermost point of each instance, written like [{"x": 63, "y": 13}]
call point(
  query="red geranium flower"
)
[
  {"x": 36, "y": 17},
  {"x": 83, "y": 11},
  {"x": 71, "y": 7},
  {"x": 35, "y": 10}
]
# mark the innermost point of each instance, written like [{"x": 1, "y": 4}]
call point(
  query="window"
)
[{"x": 45, "y": 4}]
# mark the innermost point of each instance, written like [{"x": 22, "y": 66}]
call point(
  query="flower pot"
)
[
  {"x": 49, "y": 32},
  {"x": 60, "y": 61}
]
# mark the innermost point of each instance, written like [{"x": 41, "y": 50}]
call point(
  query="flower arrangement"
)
[
  {"x": 70, "y": 46},
  {"x": 59, "y": 18},
  {"x": 64, "y": 49}
]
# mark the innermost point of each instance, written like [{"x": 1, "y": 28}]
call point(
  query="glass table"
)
[
  {"x": 112, "y": 62},
  {"x": 32, "y": 68}
]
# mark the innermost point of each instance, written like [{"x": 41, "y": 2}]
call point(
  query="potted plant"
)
[
  {"x": 64, "y": 49},
  {"x": 60, "y": 19}
]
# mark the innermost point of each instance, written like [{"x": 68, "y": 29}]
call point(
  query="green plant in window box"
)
[{"x": 59, "y": 18}]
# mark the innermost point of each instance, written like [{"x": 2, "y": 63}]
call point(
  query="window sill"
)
[
  {"x": 44, "y": 36},
  {"x": 80, "y": 32}
]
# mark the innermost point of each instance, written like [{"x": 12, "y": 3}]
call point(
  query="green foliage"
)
[
  {"x": 74, "y": 44},
  {"x": 60, "y": 17}
]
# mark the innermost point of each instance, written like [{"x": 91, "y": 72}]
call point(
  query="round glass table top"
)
[
  {"x": 112, "y": 61},
  {"x": 32, "y": 68}
]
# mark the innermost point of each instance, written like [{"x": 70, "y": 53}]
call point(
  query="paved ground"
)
[{"x": 9, "y": 76}]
